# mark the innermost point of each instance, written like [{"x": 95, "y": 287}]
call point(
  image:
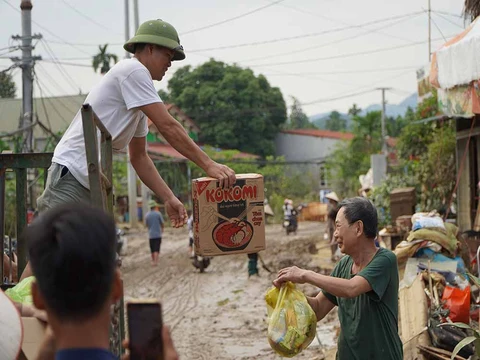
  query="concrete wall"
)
[
  {"x": 295, "y": 147},
  {"x": 304, "y": 148}
]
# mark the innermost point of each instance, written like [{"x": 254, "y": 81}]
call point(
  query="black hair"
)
[
  {"x": 359, "y": 208},
  {"x": 139, "y": 47},
  {"x": 72, "y": 254}
]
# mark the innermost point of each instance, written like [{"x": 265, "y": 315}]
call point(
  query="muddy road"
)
[{"x": 221, "y": 314}]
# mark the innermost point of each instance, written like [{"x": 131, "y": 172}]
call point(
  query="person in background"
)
[
  {"x": 252, "y": 264},
  {"x": 156, "y": 226},
  {"x": 331, "y": 216},
  {"x": 190, "y": 233}
]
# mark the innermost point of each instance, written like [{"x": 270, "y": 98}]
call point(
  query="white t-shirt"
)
[{"x": 127, "y": 86}]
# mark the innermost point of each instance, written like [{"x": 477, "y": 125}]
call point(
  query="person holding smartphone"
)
[{"x": 72, "y": 253}]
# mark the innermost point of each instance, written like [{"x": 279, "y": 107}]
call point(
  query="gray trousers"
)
[{"x": 61, "y": 188}]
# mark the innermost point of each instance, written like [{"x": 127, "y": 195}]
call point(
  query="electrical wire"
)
[
  {"x": 447, "y": 19},
  {"x": 309, "y": 48},
  {"x": 232, "y": 18},
  {"x": 48, "y": 31},
  {"x": 360, "y": 71},
  {"x": 342, "y": 56},
  {"x": 85, "y": 16},
  {"x": 438, "y": 28},
  {"x": 339, "y": 21},
  {"x": 62, "y": 70},
  {"x": 324, "y": 32}
]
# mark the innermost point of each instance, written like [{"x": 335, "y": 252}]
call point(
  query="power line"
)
[
  {"x": 338, "y": 21},
  {"x": 359, "y": 91},
  {"x": 83, "y": 44},
  {"x": 447, "y": 19},
  {"x": 329, "y": 43},
  {"x": 330, "y": 31},
  {"x": 439, "y": 30},
  {"x": 63, "y": 71},
  {"x": 342, "y": 56},
  {"x": 66, "y": 63},
  {"x": 48, "y": 31},
  {"x": 360, "y": 71},
  {"x": 85, "y": 16},
  {"x": 337, "y": 98},
  {"x": 8, "y": 69},
  {"x": 232, "y": 18}
]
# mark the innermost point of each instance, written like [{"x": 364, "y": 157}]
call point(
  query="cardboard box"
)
[
  {"x": 33, "y": 334},
  {"x": 228, "y": 221}
]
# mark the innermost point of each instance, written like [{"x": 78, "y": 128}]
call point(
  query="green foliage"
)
[
  {"x": 10, "y": 205},
  {"x": 120, "y": 177},
  {"x": 103, "y": 59},
  {"x": 7, "y": 86},
  {"x": 336, "y": 122},
  {"x": 298, "y": 119},
  {"x": 380, "y": 195},
  {"x": 352, "y": 159},
  {"x": 234, "y": 108},
  {"x": 165, "y": 96}
]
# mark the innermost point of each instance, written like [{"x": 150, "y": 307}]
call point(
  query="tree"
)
[
  {"x": 103, "y": 59},
  {"x": 336, "y": 122},
  {"x": 7, "y": 86},
  {"x": 354, "y": 110},
  {"x": 164, "y": 95},
  {"x": 298, "y": 119},
  {"x": 234, "y": 108}
]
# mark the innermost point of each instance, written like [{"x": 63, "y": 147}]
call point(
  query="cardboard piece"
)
[
  {"x": 33, "y": 334},
  {"x": 229, "y": 221},
  {"x": 413, "y": 310}
]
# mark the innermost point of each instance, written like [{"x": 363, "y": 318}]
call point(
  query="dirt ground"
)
[{"x": 221, "y": 314}]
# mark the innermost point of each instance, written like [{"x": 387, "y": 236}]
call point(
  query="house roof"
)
[
  {"x": 320, "y": 133},
  {"x": 54, "y": 112},
  {"x": 168, "y": 152},
  {"x": 177, "y": 113}
]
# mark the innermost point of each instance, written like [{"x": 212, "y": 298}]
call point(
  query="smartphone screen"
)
[{"x": 145, "y": 331}]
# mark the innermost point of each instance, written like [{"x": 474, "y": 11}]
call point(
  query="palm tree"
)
[
  {"x": 471, "y": 9},
  {"x": 102, "y": 60}
]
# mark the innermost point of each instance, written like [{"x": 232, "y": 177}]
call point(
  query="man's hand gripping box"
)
[{"x": 228, "y": 221}]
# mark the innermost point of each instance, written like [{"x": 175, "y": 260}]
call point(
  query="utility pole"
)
[
  {"x": 131, "y": 174},
  {"x": 127, "y": 25},
  {"x": 429, "y": 31},
  {"x": 136, "y": 18},
  {"x": 26, "y": 63},
  {"x": 384, "y": 128}
]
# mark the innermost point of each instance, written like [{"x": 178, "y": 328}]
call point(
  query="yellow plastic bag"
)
[
  {"x": 292, "y": 323},
  {"x": 22, "y": 292}
]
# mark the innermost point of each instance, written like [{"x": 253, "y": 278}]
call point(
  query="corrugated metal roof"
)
[{"x": 54, "y": 112}]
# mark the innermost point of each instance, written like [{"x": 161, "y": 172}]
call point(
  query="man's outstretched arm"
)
[{"x": 176, "y": 136}]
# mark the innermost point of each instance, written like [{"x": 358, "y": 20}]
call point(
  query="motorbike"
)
[
  {"x": 201, "y": 262},
  {"x": 290, "y": 224},
  {"x": 121, "y": 242}
]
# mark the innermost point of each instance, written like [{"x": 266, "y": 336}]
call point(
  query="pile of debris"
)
[{"x": 438, "y": 286}]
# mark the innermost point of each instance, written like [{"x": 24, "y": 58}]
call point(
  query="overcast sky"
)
[{"x": 381, "y": 44}]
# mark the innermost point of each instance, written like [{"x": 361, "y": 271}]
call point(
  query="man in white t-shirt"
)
[{"x": 123, "y": 100}]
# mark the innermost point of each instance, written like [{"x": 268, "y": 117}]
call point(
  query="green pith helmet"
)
[{"x": 157, "y": 32}]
